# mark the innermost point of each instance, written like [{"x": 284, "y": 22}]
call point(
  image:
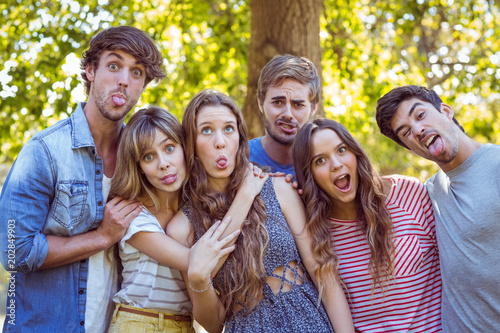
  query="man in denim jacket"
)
[{"x": 53, "y": 213}]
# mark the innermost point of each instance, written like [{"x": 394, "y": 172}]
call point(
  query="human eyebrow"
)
[
  {"x": 301, "y": 101},
  {"x": 119, "y": 56},
  {"x": 412, "y": 109},
  {"x": 277, "y": 98}
]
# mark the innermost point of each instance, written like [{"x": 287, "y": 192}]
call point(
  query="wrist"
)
[
  {"x": 200, "y": 285},
  {"x": 102, "y": 241}
]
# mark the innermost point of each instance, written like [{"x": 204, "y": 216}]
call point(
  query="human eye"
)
[
  {"x": 319, "y": 161},
  {"x": 405, "y": 133},
  {"x": 113, "y": 66},
  {"x": 277, "y": 102},
  {"x": 229, "y": 129},
  {"x": 169, "y": 148},
  {"x": 420, "y": 115},
  {"x": 299, "y": 104},
  {"x": 342, "y": 149},
  {"x": 147, "y": 157},
  {"x": 206, "y": 130},
  {"x": 137, "y": 72}
]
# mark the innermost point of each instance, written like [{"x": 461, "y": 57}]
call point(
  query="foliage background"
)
[{"x": 368, "y": 47}]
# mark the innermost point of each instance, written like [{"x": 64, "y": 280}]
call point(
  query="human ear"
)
[
  {"x": 89, "y": 71},
  {"x": 447, "y": 110},
  {"x": 260, "y": 105},
  {"x": 314, "y": 109}
]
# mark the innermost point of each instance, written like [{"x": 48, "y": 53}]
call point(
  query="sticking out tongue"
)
[
  {"x": 222, "y": 163},
  {"x": 436, "y": 147},
  {"x": 342, "y": 183},
  {"x": 118, "y": 100}
]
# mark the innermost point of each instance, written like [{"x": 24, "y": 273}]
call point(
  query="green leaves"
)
[{"x": 369, "y": 47}]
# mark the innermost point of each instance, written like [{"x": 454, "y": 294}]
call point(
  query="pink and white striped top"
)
[{"x": 412, "y": 300}]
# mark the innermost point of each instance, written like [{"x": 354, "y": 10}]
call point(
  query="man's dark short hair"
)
[
  {"x": 388, "y": 105},
  {"x": 129, "y": 40}
]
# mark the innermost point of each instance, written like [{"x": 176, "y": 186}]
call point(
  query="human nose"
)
[
  {"x": 163, "y": 163},
  {"x": 219, "y": 141},
  {"x": 418, "y": 129},
  {"x": 123, "y": 78},
  {"x": 287, "y": 111},
  {"x": 335, "y": 163}
]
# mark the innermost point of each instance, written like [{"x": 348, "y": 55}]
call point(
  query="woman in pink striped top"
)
[{"x": 376, "y": 232}]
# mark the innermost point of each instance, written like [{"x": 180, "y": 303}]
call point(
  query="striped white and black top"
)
[{"x": 146, "y": 283}]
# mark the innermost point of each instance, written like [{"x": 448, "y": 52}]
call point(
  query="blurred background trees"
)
[{"x": 362, "y": 48}]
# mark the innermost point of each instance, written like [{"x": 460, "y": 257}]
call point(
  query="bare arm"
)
[
  {"x": 334, "y": 300},
  {"x": 251, "y": 187},
  {"x": 118, "y": 213},
  {"x": 203, "y": 257}
]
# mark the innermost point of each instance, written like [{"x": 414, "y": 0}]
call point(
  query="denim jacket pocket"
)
[{"x": 70, "y": 201}]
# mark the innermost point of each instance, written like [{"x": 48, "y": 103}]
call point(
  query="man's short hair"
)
[
  {"x": 388, "y": 105},
  {"x": 129, "y": 40},
  {"x": 287, "y": 66}
]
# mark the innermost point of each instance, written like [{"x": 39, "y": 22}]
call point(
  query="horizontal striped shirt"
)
[
  {"x": 147, "y": 284},
  {"x": 411, "y": 301}
]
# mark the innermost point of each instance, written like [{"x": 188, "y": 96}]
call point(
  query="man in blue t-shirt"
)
[{"x": 288, "y": 95}]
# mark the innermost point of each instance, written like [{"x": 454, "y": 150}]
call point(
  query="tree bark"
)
[{"x": 279, "y": 27}]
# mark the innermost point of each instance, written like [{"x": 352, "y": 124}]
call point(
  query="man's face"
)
[
  {"x": 116, "y": 84},
  {"x": 426, "y": 131},
  {"x": 286, "y": 108}
]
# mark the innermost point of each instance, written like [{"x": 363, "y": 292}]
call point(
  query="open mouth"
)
[
  {"x": 430, "y": 140},
  {"x": 434, "y": 144},
  {"x": 287, "y": 127},
  {"x": 343, "y": 183}
]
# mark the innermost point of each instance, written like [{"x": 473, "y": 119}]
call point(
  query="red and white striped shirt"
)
[{"x": 412, "y": 299}]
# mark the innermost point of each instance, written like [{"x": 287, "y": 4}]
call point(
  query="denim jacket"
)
[{"x": 53, "y": 188}]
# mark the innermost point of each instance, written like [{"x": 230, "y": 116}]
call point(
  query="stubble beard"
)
[
  {"x": 285, "y": 140},
  {"x": 100, "y": 101}
]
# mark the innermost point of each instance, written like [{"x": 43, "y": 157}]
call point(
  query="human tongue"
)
[
  {"x": 342, "y": 183},
  {"x": 436, "y": 147},
  {"x": 118, "y": 100},
  {"x": 222, "y": 163}
]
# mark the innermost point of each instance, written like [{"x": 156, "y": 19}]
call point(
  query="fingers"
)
[
  {"x": 227, "y": 250},
  {"x": 122, "y": 208},
  {"x": 229, "y": 238},
  {"x": 277, "y": 174}
]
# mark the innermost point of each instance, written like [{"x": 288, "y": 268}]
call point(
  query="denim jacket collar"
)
[{"x": 80, "y": 130}]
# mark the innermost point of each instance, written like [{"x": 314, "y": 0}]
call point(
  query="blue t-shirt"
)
[{"x": 259, "y": 155}]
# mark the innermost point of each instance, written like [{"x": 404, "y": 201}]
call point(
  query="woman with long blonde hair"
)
[
  {"x": 265, "y": 284},
  {"x": 377, "y": 232}
]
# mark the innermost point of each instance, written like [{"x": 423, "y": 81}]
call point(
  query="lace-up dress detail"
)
[{"x": 294, "y": 308}]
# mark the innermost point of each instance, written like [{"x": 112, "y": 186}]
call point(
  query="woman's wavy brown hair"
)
[
  {"x": 372, "y": 214},
  {"x": 242, "y": 278}
]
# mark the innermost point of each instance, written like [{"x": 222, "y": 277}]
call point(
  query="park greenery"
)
[{"x": 367, "y": 48}]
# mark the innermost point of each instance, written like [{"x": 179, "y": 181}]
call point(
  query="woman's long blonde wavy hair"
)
[
  {"x": 243, "y": 275},
  {"x": 372, "y": 215}
]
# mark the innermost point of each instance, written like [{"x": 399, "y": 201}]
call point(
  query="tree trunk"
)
[{"x": 279, "y": 27}]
